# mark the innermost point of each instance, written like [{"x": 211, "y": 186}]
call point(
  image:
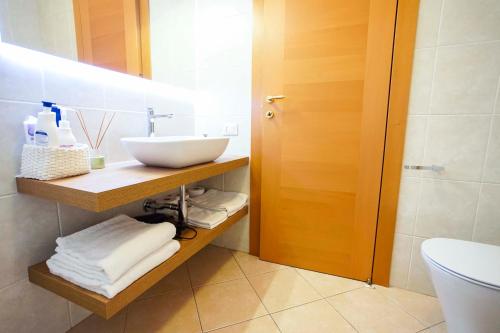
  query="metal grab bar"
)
[{"x": 435, "y": 168}]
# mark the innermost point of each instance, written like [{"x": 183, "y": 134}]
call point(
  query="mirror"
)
[
  {"x": 112, "y": 34},
  {"x": 169, "y": 41},
  {"x": 154, "y": 39}
]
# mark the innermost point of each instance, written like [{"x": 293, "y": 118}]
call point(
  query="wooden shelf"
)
[
  {"x": 39, "y": 274},
  {"x": 122, "y": 183}
]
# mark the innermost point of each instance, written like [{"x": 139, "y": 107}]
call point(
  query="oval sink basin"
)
[{"x": 175, "y": 151}]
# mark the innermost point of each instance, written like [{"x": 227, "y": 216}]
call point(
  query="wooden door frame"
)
[{"x": 397, "y": 111}]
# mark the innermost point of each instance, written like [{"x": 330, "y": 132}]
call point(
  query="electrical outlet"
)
[{"x": 231, "y": 129}]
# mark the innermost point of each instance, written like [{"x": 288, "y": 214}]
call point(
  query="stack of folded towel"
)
[
  {"x": 108, "y": 257},
  {"x": 214, "y": 207}
]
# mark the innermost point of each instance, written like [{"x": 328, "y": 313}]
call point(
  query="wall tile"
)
[
  {"x": 28, "y": 230},
  {"x": 126, "y": 97},
  {"x": 69, "y": 88},
  {"x": 11, "y": 141},
  {"x": 401, "y": 256},
  {"x": 409, "y": 195},
  {"x": 120, "y": 128},
  {"x": 224, "y": 42},
  {"x": 26, "y": 308},
  {"x": 237, "y": 237},
  {"x": 228, "y": 87},
  {"x": 487, "y": 229},
  {"x": 447, "y": 209},
  {"x": 238, "y": 180},
  {"x": 77, "y": 313},
  {"x": 421, "y": 81},
  {"x": 466, "y": 79},
  {"x": 20, "y": 80},
  {"x": 491, "y": 171},
  {"x": 239, "y": 145},
  {"x": 453, "y": 132},
  {"x": 5, "y": 23},
  {"x": 223, "y": 8},
  {"x": 416, "y": 128},
  {"x": 169, "y": 99},
  {"x": 463, "y": 22},
  {"x": 178, "y": 125},
  {"x": 458, "y": 143},
  {"x": 75, "y": 219},
  {"x": 216, "y": 182},
  {"x": 428, "y": 23},
  {"x": 419, "y": 279},
  {"x": 172, "y": 38}
]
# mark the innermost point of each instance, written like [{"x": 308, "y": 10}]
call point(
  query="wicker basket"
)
[{"x": 45, "y": 163}]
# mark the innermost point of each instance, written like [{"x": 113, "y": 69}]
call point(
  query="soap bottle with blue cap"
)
[{"x": 46, "y": 127}]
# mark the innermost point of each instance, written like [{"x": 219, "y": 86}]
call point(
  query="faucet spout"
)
[{"x": 151, "y": 120}]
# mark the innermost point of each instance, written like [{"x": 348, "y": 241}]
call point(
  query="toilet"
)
[{"x": 466, "y": 277}]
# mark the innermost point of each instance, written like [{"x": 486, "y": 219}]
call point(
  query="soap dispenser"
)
[
  {"x": 46, "y": 127},
  {"x": 65, "y": 134}
]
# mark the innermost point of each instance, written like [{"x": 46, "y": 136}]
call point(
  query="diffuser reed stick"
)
[
  {"x": 84, "y": 127},
  {"x": 101, "y": 134},
  {"x": 98, "y": 143}
]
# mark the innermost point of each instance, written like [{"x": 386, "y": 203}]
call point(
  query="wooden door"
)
[
  {"x": 323, "y": 145},
  {"x": 109, "y": 34}
]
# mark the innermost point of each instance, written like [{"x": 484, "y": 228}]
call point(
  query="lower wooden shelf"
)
[{"x": 39, "y": 274}]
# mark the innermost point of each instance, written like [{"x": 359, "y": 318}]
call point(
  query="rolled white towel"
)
[
  {"x": 134, "y": 273},
  {"x": 231, "y": 202},
  {"x": 109, "y": 249}
]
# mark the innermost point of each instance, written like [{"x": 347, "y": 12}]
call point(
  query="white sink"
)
[{"x": 175, "y": 151}]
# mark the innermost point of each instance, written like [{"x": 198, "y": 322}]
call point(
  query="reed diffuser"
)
[{"x": 97, "y": 160}]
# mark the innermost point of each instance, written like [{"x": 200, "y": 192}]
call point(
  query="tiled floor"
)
[{"x": 222, "y": 291}]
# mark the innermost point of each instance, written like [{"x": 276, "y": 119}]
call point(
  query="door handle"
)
[{"x": 271, "y": 99}]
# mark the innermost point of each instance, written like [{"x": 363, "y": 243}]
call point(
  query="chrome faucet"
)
[{"x": 151, "y": 120}]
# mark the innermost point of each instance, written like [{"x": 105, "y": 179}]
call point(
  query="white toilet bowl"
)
[{"x": 466, "y": 277}]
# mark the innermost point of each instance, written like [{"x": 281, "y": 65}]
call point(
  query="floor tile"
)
[
  {"x": 213, "y": 264},
  {"x": 227, "y": 303},
  {"x": 328, "y": 285},
  {"x": 96, "y": 324},
  {"x": 176, "y": 280},
  {"x": 283, "y": 289},
  {"x": 313, "y": 317},
  {"x": 425, "y": 308},
  {"x": 252, "y": 265},
  {"x": 174, "y": 311},
  {"x": 259, "y": 325},
  {"x": 440, "y": 328},
  {"x": 369, "y": 311}
]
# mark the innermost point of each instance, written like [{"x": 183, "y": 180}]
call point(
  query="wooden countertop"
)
[{"x": 123, "y": 183}]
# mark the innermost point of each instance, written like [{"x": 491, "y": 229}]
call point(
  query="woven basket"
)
[{"x": 45, "y": 163}]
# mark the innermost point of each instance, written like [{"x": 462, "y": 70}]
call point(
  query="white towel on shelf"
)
[
  {"x": 213, "y": 207},
  {"x": 134, "y": 273},
  {"x": 231, "y": 202},
  {"x": 205, "y": 218},
  {"x": 107, "y": 250}
]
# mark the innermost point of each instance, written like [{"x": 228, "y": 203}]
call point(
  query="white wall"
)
[
  {"x": 223, "y": 34},
  {"x": 29, "y": 226},
  {"x": 206, "y": 45},
  {"x": 454, "y": 121}
]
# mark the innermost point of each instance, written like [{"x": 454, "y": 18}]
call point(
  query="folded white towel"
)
[
  {"x": 110, "y": 290},
  {"x": 107, "y": 250},
  {"x": 205, "y": 218},
  {"x": 231, "y": 202}
]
